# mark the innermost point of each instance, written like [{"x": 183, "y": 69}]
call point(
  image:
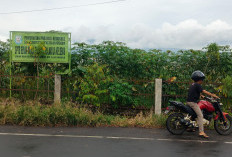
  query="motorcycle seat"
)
[{"x": 183, "y": 107}]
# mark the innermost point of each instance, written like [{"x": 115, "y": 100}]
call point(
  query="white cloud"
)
[
  {"x": 186, "y": 34},
  {"x": 86, "y": 34},
  {"x": 141, "y": 24},
  {"x": 3, "y": 38}
]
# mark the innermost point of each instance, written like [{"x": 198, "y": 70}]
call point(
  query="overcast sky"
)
[{"x": 139, "y": 23}]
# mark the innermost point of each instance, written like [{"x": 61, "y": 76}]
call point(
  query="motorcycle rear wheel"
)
[
  {"x": 174, "y": 124},
  {"x": 221, "y": 129}
]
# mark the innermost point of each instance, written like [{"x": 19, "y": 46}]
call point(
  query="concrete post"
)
[
  {"x": 158, "y": 96},
  {"x": 57, "y": 93}
]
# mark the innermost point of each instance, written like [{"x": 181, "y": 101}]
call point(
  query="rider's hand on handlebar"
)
[{"x": 202, "y": 96}]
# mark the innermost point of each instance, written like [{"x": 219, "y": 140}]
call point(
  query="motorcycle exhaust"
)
[{"x": 185, "y": 122}]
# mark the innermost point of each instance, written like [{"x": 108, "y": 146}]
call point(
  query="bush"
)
[
  {"x": 227, "y": 86},
  {"x": 93, "y": 85},
  {"x": 121, "y": 94}
]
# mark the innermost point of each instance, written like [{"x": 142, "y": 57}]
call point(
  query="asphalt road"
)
[{"x": 108, "y": 142}]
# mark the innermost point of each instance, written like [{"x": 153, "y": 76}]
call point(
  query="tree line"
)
[{"x": 103, "y": 73}]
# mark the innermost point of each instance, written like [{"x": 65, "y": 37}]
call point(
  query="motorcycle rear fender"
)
[
  {"x": 171, "y": 108},
  {"x": 224, "y": 114}
]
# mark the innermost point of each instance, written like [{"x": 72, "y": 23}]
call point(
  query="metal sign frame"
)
[{"x": 58, "y": 47}]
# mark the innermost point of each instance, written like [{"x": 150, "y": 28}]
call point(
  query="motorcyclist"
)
[{"x": 194, "y": 92}]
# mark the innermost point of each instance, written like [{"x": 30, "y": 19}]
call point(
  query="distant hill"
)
[{"x": 165, "y": 49}]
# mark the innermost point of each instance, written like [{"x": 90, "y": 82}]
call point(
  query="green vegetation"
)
[
  {"x": 31, "y": 113},
  {"x": 227, "y": 86},
  {"x": 112, "y": 73}
]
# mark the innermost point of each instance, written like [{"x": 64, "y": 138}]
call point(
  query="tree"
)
[{"x": 4, "y": 55}]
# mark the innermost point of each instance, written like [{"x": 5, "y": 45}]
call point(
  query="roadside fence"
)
[{"x": 146, "y": 94}]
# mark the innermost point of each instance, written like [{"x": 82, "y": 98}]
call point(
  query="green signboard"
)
[{"x": 57, "y": 46}]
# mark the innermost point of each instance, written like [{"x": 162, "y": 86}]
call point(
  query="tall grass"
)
[{"x": 34, "y": 114}]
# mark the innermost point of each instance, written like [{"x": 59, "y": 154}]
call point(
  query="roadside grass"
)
[{"x": 32, "y": 113}]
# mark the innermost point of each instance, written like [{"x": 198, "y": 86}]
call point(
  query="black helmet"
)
[{"x": 197, "y": 75}]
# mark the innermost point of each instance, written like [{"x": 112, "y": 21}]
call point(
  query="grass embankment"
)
[{"x": 30, "y": 113}]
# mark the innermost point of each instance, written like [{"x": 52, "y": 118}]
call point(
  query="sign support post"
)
[{"x": 57, "y": 93}]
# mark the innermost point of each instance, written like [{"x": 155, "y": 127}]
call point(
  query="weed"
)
[{"x": 34, "y": 114}]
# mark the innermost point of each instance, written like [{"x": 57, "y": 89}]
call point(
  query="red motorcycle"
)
[{"x": 184, "y": 117}]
